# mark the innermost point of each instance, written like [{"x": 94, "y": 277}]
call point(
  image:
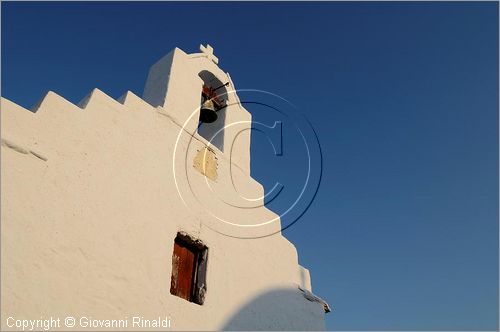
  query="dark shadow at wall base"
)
[{"x": 278, "y": 310}]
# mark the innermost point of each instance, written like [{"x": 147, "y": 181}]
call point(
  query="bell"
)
[{"x": 207, "y": 112}]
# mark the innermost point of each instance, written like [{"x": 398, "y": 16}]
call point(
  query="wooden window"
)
[{"x": 189, "y": 269}]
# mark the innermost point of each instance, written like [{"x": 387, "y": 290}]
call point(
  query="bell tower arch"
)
[
  {"x": 214, "y": 101},
  {"x": 176, "y": 83}
]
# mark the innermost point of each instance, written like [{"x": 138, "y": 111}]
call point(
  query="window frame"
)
[{"x": 198, "y": 286}]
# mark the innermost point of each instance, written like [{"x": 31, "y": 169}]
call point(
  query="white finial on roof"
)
[{"x": 209, "y": 52}]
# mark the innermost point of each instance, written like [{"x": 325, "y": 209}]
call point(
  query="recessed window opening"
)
[
  {"x": 189, "y": 269},
  {"x": 213, "y": 97}
]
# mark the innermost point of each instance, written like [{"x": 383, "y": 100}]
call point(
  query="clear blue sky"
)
[{"x": 403, "y": 233}]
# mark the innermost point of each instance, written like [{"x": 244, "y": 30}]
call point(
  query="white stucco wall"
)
[{"x": 90, "y": 210}]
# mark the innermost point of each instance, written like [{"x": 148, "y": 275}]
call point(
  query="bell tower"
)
[{"x": 199, "y": 96}]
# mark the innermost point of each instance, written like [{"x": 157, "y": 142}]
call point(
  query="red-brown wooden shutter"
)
[{"x": 183, "y": 271}]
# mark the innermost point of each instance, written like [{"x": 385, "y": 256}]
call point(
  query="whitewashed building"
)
[{"x": 122, "y": 211}]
